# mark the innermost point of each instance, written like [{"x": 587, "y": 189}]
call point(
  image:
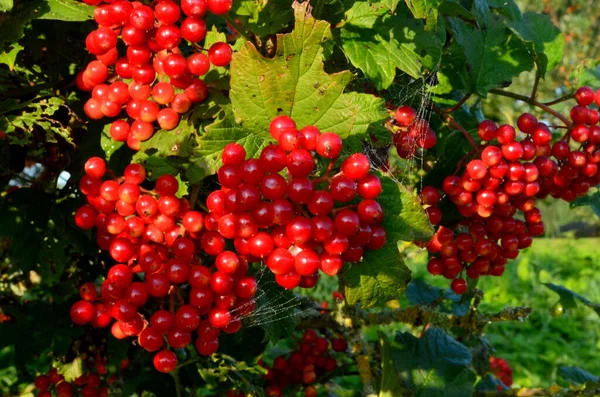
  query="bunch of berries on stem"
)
[{"x": 152, "y": 81}]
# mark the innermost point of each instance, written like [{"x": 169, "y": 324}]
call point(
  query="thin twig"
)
[
  {"x": 561, "y": 99},
  {"x": 452, "y": 123},
  {"x": 457, "y": 104},
  {"x": 533, "y": 102},
  {"x": 535, "y": 85}
]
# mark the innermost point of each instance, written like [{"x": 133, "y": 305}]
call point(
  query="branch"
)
[
  {"x": 473, "y": 322},
  {"x": 532, "y": 102},
  {"x": 448, "y": 119}
]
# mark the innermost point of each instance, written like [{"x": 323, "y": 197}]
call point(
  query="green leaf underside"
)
[
  {"x": 576, "y": 375},
  {"x": 433, "y": 365},
  {"x": 378, "y": 42}
]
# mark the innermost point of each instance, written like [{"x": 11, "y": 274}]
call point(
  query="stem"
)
[
  {"x": 194, "y": 196},
  {"x": 237, "y": 27},
  {"x": 457, "y": 104},
  {"x": 448, "y": 119},
  {"x": 177, "y": 384},
  {"x": 532, "y": 102},
  {"x": 561, "y": 99},
  {"x": 535, "y": 85}
]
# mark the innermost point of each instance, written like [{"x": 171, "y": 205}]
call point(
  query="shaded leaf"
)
[
  {"x": 576, "y": 375},
  {"x": 378, "y": 42},
  {"x": 492, "y": 58},
  {"x": 433, "y": 365}
]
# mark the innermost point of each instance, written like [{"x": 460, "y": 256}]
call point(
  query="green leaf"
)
[
  {"x": 452, "y": 8},
  {"x": 569, "y": 298},
  {"x": 294, "y": 83},
  {"x": 72, "y": 370},
  {"x": 491, "y": 58},
  {"x": 394, "y": 41},
  {"x": 450, "y": 149},
  {"x": 183, "y": 187},
  {"x": 405, "y": 218},
  {"x": 536, "y": 31},
  {"x": 6, "y": 5},
  {"x": 67, "y": 10},
  {"x": 548, "y": 38},
  {"x": 576, "y": 375},
  {"x": 379, "y": 278},
  {"x": 178, "y": 142},
  {"x": 382, "y": 275},
  {"x": 109, "y": 145},
  {"x": 264, "y": 18},
  {"x": 591, "y": 200},
  {"x": 433, "y": 365},
  {"x": 425, "y": 9},
  {"x": 9, "y": 58},
  {"x": 207, "y": 154}
]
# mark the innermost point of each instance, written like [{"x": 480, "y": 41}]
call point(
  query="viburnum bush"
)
[{"x": 217, "y": 197}]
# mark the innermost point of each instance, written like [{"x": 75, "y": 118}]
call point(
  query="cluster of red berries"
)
[
  {"x": 293, "y": 224},
  {"x": 95, "y": 383},
  {"x": 501, "y": 370},
  {"x": 507, "y": 177},
  {"x": 156, "y": 236},
  {"x": 574, "y": 167},
  {"x": 415, "y": 132},
  {"x": 304, "y": 365},
  {"x": 154, "y": 38}
]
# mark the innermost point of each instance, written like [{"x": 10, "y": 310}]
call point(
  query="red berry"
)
[{"x": 165, "y": 361}]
